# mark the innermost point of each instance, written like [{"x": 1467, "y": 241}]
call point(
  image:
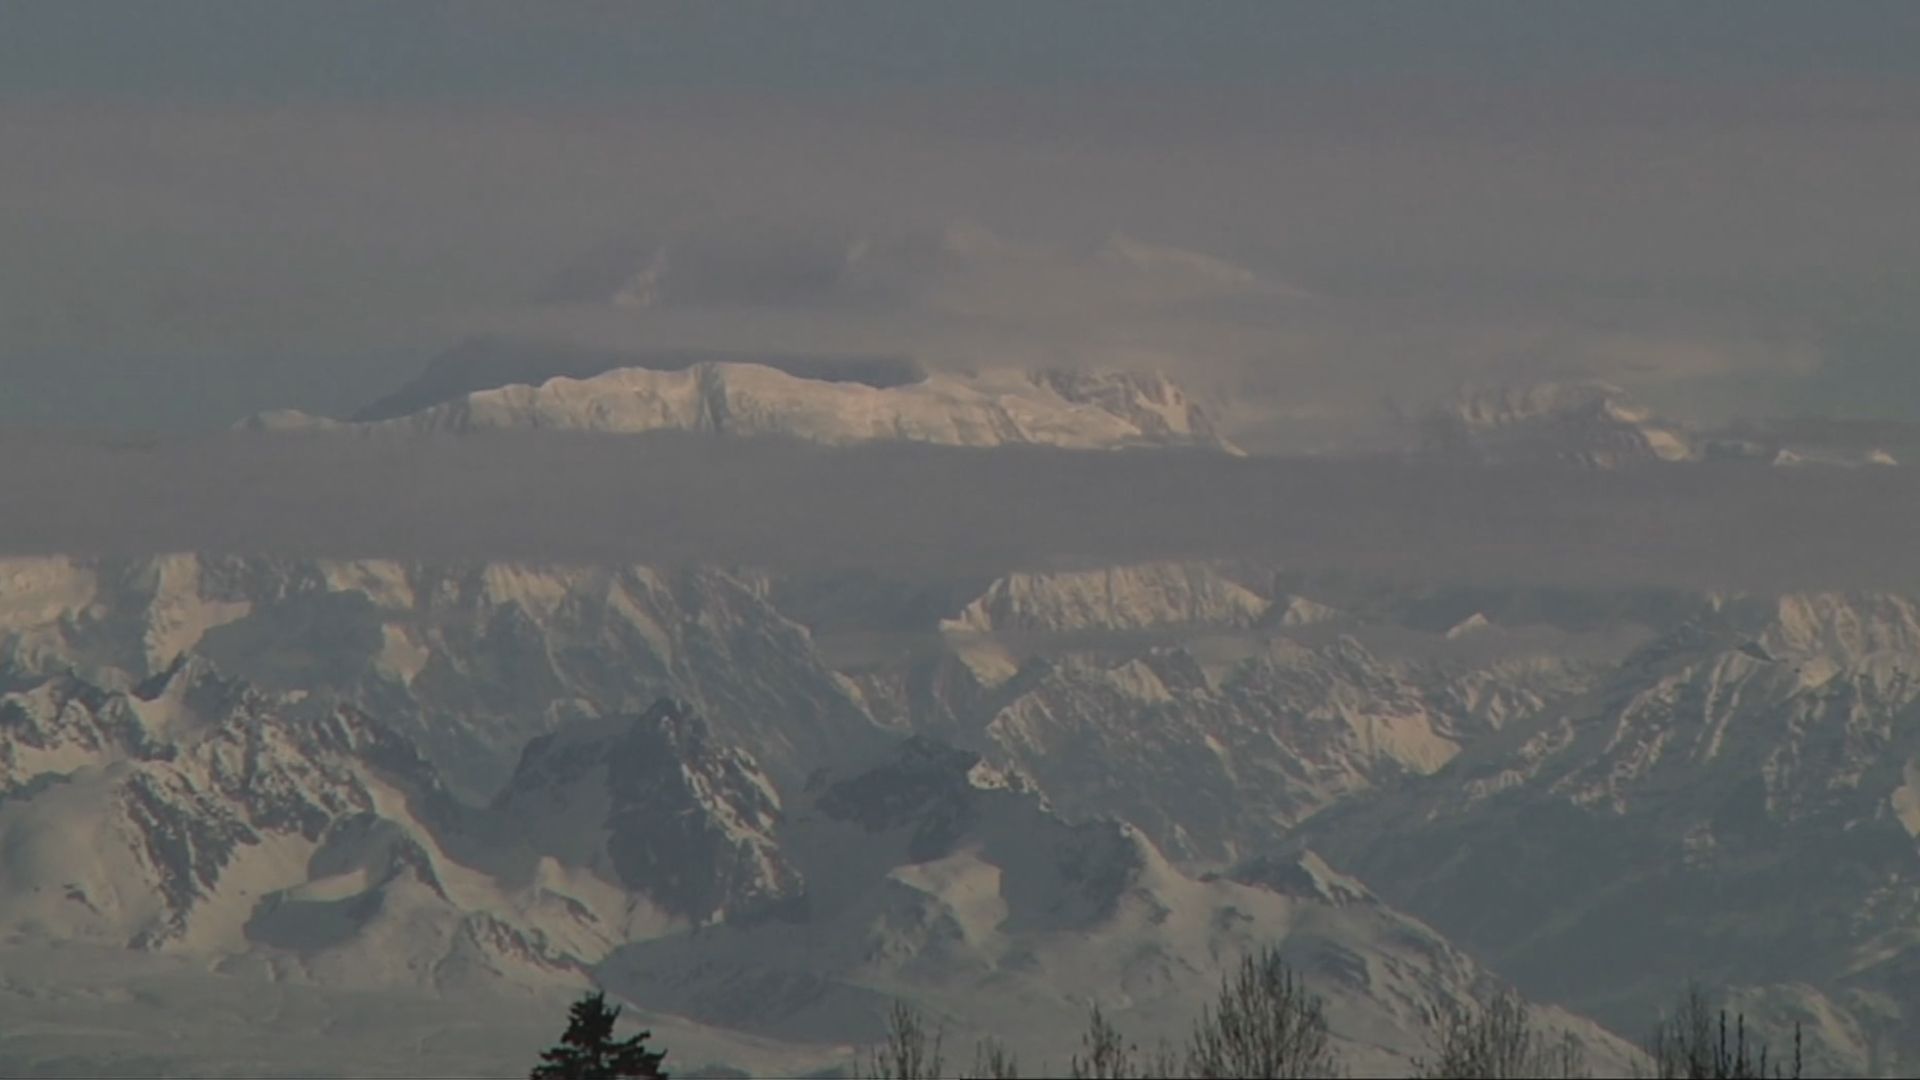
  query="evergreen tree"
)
[{"x": 588, "y": 1051}]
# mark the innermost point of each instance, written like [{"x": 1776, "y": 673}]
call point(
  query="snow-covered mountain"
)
[
  {"x": 487, "y": 362},
  {"x": 953, "y": 883},
  {"x": 659, "y": 807},
  {"x": 1075, "y": 410},
  {"x": 470, "y": 660},
  {"x": 1195, "y": 700},
  {"x": 741, "y": 329},
  {"x": 1590, "y": 424},
  {"x": 450, "y": 779},
  {"x": 274, "y": 837},
  {"x": 375, "y": 777},
  {"x": 1211, "y": 760},
  {"x": 1734, "y": 803},
  {"x": 761, "y": 805},
  {"x": 197, "y": 814}
]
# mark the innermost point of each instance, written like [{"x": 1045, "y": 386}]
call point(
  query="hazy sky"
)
[
  {"x": 933, "y": 513},
  {"x": 207, "y": 209}
]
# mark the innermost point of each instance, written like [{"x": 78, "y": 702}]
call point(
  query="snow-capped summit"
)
[
  {"x": 660, "y": 806},
  {"x": 958, "y": 337},
  {"x": 1076, "y": 410},
  {"x": 488, "y": 362},
  {"x": 1473, "y": 624},
  {"x": 1592, "y": 424}
]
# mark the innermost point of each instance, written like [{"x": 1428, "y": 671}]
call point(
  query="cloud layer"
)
[
  {"x": 925, "y": 511},
  {"x": 1735, "y": 245}
]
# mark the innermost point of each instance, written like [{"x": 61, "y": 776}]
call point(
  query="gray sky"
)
[{"x": 207, "y": 209}]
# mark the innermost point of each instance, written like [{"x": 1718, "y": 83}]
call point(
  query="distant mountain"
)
[
  {"x": 1589, "y": 424},
  {"x": 694, "y": 290},
  {"x": 1115, "y": 598},
  {"x": 995, "y": 408},
  {"x": 489, "y": 363},
  {"x": 1813, "y": 440}
]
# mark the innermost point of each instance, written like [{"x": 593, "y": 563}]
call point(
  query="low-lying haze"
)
[{"x": 921, "y": 510}]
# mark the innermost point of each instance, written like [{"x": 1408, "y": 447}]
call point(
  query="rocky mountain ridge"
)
[
  {"x": 297, "y": 729},
  {"x": 203, "y": 817},
  {"x": 273, "y": 741},
  {"x": 1762, "y": 750}
]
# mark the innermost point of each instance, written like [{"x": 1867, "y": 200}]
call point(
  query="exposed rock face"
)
[
  {"x": 471, "y": 660},
  {"x": 954, "y": 879},
  {"x": 659, "y": 806},
  {"x": 1211, "y": 767},
  {"x": 1764, "y": 750},
  {"x": 205, "y": 815},
  {"x": 1105, "y": 710}
]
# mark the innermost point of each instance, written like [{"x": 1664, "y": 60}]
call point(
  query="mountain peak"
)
[
  {"x": 817, "y": 399},
  {"x": 684, "y": 820},
  {"x": 1591, "y": 423}
]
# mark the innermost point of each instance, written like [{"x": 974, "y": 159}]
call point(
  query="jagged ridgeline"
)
[
  {"x": 494, "y": 781},
  {"x": 709, "y": 791}
]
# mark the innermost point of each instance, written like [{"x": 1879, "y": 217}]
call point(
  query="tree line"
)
[{"x": 1262, "y": 1023}]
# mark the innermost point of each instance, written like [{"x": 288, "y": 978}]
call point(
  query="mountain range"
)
[
  {"x": 420, "y": 803},
  {"x": 167, "y": 806},
  {"x": 453, "y": 782}
]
